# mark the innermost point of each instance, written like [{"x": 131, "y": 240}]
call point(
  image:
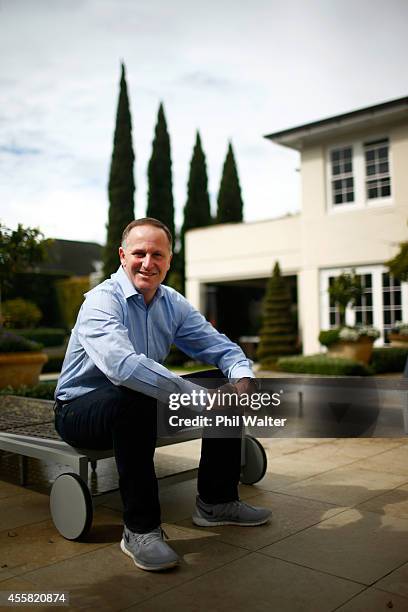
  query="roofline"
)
[{"x": 289, "y": 136}]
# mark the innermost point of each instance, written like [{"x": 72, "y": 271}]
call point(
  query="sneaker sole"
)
[
  {"x": 203, "y": 522},
  {"x": 149, "y": 568}
]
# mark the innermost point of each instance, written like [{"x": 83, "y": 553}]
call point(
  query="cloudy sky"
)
[{"x": 232, "y": 70}]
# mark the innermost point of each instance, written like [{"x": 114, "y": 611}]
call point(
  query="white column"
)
[
  {"x": 194, "y": 294},
  {"x": 309, "y": 309}
]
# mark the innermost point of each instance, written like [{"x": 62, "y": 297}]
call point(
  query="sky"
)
[{"x": 234, "y": 71}]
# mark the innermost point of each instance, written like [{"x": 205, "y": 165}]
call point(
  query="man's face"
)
[{"x": 146, "y": 258}]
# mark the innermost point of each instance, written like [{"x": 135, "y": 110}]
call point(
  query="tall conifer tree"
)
[
  {"x": 197, "y": 211},
  {"x": 229, "y": 203},
  {"x": 160, "y": 203},
  {"x": 121, "y": 181}
]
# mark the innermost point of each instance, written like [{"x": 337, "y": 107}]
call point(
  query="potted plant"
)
[
  {"x": 398, "y": 335},
  {"x": 21, "y": 360},
  {"x": 350, "y": 342},
  {"x": 347, "y": 341}
]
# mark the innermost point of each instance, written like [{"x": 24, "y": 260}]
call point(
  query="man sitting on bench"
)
[{"x": 112, "y": 378}]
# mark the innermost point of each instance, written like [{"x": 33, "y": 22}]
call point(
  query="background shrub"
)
[
  {"x": 19, "y": 313},
  {"x": 320, "y": 364},
  {"x": 12, "y": 343},
  {"x": 43, "y": 390},
  {"x": 70, "y": 295},
  {"x": 389, "y": 359},
  {"x": 47, "y": 336}
]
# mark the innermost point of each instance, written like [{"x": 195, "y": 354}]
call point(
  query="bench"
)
[{"x": 27, "y": 429}]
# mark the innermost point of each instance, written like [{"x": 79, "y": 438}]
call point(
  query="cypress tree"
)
[
  {"x": 197, "y": 211},
  {"x": 121, "y": 182},
  {"x": 160, "y": 203},
  {"x": 277, "y": 335},
  {"x": 229, "y": 203}
]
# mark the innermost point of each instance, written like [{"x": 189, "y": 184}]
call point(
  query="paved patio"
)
[{"x": 338, "y": 539}]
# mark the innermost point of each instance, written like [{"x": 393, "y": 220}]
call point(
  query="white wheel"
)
[
  {"x": 255, "y": 461},
  {"x": 71, "y": 506}
]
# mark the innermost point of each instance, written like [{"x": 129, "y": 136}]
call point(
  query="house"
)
[{"x": 353, "y": 215}]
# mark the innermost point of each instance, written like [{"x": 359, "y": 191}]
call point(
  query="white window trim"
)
[
  {"x": 359, "y": 176},
  {"x": 376, "y": 272}
]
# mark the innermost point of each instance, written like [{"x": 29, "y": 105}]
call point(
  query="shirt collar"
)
[{"x": 128, "y": 287}]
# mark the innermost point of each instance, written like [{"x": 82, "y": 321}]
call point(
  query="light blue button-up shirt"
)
[{"x": 119, "y": 339}]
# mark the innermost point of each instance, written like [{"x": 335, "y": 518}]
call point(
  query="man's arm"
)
[
  {"x": 200, "y": 340},
  {"x": 104, "y": 337}
]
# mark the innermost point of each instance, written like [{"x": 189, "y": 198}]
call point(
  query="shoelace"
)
[{"x": 151, "y": 536}]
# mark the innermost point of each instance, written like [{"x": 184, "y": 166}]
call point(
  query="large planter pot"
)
[
  {"x": 21, "y": 368},
  {"x": 398, "y": 340},
  {"x": 359, "y": 351}
]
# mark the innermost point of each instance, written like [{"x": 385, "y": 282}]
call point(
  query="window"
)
[
  {"x": 334, "y": 314},
  {"x": 364, "y": 305},
  {"x": 378, "y": 181},
  {"x": 392, "y": 303},
  {"x": 342, "y": 175}
]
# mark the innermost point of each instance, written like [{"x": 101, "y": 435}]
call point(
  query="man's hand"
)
[
  {"x": 223, "y": 397},
  {"x": 246, "y": 385}
]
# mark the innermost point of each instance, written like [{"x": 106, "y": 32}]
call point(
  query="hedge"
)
[
  {"x": 389, "y": 359},
  {"x": 44, "y": 390},
  {"x": 320, "y": 364},
  {"x": 47, "y": 336}
]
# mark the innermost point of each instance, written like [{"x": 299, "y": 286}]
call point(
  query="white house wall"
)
[{"x": 314, "y": 241}]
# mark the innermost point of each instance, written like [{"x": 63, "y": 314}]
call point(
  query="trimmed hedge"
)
[
  {"x": 44, "y": 390},
  {"x": 47, "y": 336},
  {"x": 389, "y": 359},
  {"x": 14, "y": 343},
  {"x": 320, "y": 364}
]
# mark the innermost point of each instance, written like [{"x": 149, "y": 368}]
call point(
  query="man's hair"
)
[{"x": 146, "y": 221}]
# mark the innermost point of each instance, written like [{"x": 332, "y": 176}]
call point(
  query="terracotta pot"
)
[
  {"x": 21, "y": 368},
  {"x": 398, "y": 340},
  {"x": 359, "y": 351}
]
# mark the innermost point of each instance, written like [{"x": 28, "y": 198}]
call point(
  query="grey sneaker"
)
[
  {"x": 231, "y": 513},
  {"x": 148, "y": 550}
]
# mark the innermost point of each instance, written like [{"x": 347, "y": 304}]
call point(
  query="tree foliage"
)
[
  {"x": 345, "y": 290},
  {"x": 278, "y": 335},
  {"x": 20, "y": 251},
  {"x": 160, "y": 203},
  {"x": 398, "y": 265},
  {"x": 197, "y": 210},
  {"x": 121, "y": 181},
  {"x": 229, "y": 203}
]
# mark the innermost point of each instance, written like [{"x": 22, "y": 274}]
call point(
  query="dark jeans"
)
[{"x": 122, "y": 419}]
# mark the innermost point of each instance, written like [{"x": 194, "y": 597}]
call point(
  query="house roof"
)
[
  {"x": 317, "y": 130},
  {"x": 72, "y": 257}
]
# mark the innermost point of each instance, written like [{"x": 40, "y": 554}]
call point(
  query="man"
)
[{"x": 112, "y": 378}]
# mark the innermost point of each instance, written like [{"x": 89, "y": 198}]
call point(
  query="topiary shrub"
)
[
  {"x": 320, "y": 364},
  {"x": 277, "y": 336},
  {"x": 19, "y": 313}
]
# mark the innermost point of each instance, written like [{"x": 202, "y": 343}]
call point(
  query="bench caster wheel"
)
[
  {"x": 255, "y": 461},
  {"x": 71, "y": 506}
]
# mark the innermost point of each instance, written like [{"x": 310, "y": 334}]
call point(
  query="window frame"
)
[{"x": 361, "y": 201}]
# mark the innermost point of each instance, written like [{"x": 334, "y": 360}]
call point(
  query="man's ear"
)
[
  {"x": 121, "y": 254},
  {"x": 171, "y": 257}
]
